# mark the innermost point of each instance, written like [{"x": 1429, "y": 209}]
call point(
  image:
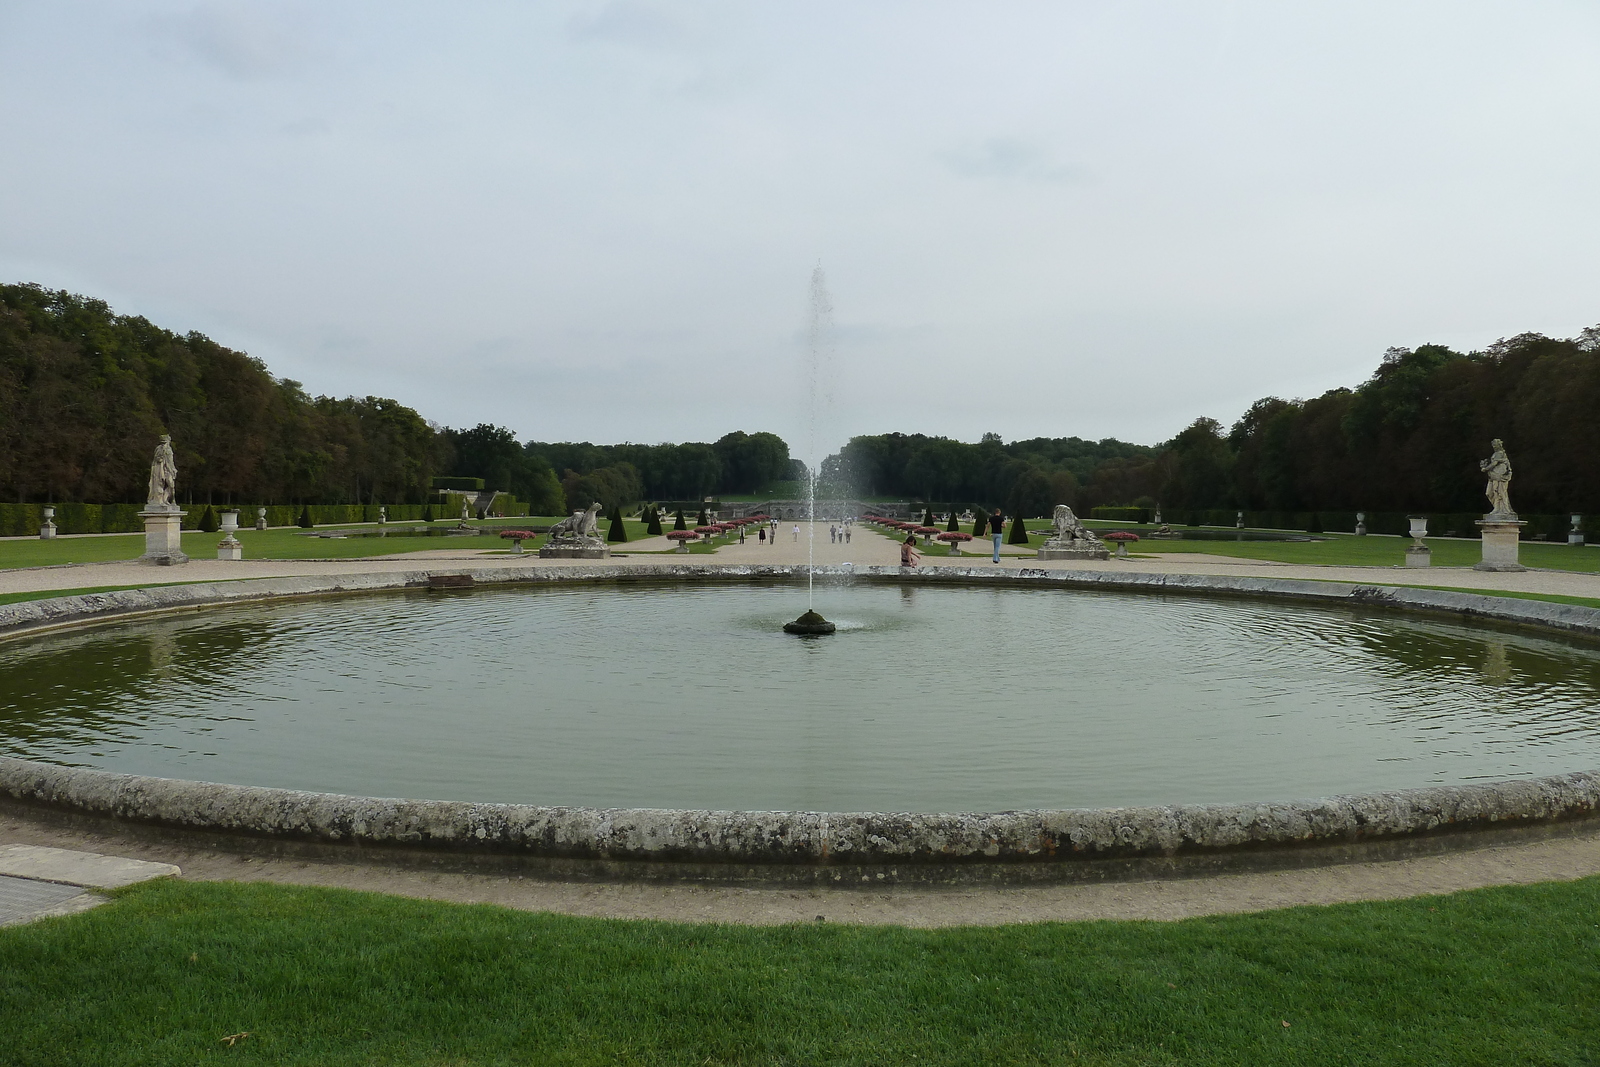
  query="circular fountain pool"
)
[{"x": 928, "y": 699}]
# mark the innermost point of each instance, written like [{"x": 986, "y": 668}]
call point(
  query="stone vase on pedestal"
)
[
  {"x": 1501, "y": 539},
  {"x": 229, "y": 547},
  {"x": 47, "y": 530},
  {"x": 163, "y": 535},
  {"x": 261, "y": 518},
  {"x": 1418, "y": 553}
]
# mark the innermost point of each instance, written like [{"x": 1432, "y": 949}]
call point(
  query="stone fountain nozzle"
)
[{"x": 809, "y": 624}]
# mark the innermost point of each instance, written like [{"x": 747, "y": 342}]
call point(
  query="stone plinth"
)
[
  {"x": 575, "y": 548},
  {"x": 163, "y": 535},
  {"x": 230, "y": 548},
  {"x": 1419, "y": 557},
  {"x": 1501, "y": 538},
  {"x": 1073, "y": 550}
]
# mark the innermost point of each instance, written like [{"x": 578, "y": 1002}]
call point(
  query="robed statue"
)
[
  {"x": 163, "y": 475},
  {"x": 1498, "y": 468}
]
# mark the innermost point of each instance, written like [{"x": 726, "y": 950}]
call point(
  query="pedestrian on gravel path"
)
[{"x": 908, "y": 551}]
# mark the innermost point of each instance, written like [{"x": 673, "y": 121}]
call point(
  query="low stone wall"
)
[{"x": 817, "y": 846}]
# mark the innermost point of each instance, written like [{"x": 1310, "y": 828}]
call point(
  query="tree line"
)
[
  {"x": 85, "y": 393},
  {"x": 1409, "y": 438}
]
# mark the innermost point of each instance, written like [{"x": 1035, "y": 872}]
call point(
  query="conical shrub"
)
[
  {"x": 427, "y": 513},
  {"x": 1019, "y": 532},
  {"x": 678, "y": 523},
  {"x": 927, "y": 516},
  {"x": 980, "y": 525},
  {"x": 618, "y": 533},
  {"x": 653, "y": 528},
  {"x": 704, "y": 519},
  {"x": 952, "y": 526},
  {"x": 209, "y": 523},
  {"x": 305, "y": 517}
]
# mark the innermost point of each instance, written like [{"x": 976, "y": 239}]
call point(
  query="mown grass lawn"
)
[
  {"x": 1348, "y": 550},
  {"x": 278, "y": 543},
  {"x": 331, "y": 977}
]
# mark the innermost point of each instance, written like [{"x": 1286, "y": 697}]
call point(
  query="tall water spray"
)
[{"x": 821, "y": 327}]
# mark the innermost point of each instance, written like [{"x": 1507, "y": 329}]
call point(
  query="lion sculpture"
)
[
  {"x": 1067, "y": 526},
  {"x": 580, "y": 524}
]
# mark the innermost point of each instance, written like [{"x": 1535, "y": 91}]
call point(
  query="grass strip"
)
[{"x": 330, "y": 977}]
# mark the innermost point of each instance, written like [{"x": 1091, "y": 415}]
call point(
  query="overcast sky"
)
[{"x": 599, "y": 220}]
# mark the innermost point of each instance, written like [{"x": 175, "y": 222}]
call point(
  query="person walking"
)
[
  {"x": 761, "y": 535},
  {"x": 995, "y": 522},
  {"x": 847, "y": 535},
  {"x": 797, "y": 533},
  {"x": 908, "y": 551}
]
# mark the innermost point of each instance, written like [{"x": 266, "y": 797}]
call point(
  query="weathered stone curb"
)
[
  {"x": 788, "y": 837},
  {"x": 801, "y": 839},
  {"x": 91, "y": 607}
]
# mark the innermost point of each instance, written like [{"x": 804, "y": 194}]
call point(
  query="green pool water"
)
[{"x": 948, "y": 699}]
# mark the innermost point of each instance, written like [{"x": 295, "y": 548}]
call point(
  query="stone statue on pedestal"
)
[
  {"x": 1070, "y": 539},
  {"x": 1498, "y": 468},
  {"x": 163, "y": 476},
  {"x": 163, "y": 519},
  {"x": 577, "y": 537},
  {"x": 1501, "y": 530}
]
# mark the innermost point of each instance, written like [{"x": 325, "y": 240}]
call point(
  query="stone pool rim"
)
[{"x": 819, "y": 847}]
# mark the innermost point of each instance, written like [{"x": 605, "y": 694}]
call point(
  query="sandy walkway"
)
[
  {"x": 866, "y": 548},
  {"x": 1551, "y": 859}
]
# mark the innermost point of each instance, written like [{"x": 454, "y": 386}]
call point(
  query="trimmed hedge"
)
[
  {"x": 1440, "y": 523},
  {"x": 1121, "y": 514},
  {"x": 471, "y": 485},
  {"x": 24, "y": 520}
]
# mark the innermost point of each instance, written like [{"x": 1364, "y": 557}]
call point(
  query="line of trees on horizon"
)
[
  {"x": 84, "y": 393},
  {"x": 1409, "y": 438}
]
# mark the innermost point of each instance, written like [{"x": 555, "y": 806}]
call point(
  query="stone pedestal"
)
[
  {"x": 163, "y": 535},
  {"x": 1501, "y": 538},
  {"x": 47, "y": 530},
  {"x": 1073, "y": 550},
  {"x": 1419, "y": 557},
  {"x": 261, "y": 518},
  {"x": 230, "y": 548},
  {"x": 575, "y": 548}
]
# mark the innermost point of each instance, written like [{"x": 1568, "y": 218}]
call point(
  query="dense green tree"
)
[
  {"x": 84, "y": 394},
  {"x": 613, "y": 487}
]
